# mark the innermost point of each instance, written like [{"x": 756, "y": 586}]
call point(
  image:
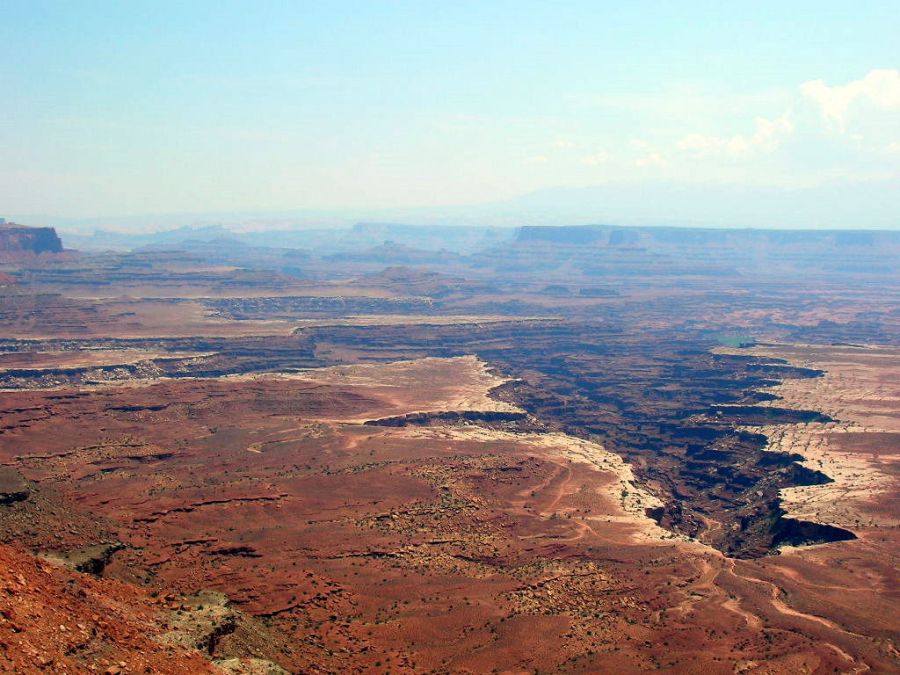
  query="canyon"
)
[{"x": 596, "y": 449}]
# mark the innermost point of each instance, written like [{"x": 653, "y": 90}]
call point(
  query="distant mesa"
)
[
  {"x": 20, "y": 239},
  {"x": 618, "y": 250},
  {"x": 566, "y": 234},
  {"x": 393, "y": 253},
  {"x": 724, "y": 238}
]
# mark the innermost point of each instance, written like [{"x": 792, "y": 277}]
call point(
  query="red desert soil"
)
[
  {"x": 450, "y": 547},
  {"x": 50, "y": 316},
  {"x": 56, "y": 621}
]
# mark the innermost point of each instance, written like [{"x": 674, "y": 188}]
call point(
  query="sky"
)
[{"x": 124, "y": 109}]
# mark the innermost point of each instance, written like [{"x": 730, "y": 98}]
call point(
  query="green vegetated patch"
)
[{"x": 736, "y": 340}]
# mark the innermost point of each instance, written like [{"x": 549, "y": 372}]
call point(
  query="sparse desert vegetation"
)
[{"x": 496, "y": 476}]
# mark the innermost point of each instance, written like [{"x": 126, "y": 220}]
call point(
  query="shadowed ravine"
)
[
  {"x": 664, "y": 403},
  {"x": 719, "y": 484},
  {"x": 659, "y": 399}
]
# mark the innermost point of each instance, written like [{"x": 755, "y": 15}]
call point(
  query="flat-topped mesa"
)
[
  {"x": 18, "y": 239},
  {"x": 612, "y": 250}
]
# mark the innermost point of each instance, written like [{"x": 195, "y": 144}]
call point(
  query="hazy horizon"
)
[{"x": 822, "y": 208}]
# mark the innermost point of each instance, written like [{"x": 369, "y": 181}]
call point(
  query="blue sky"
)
[{"x": 135, "y": 108}]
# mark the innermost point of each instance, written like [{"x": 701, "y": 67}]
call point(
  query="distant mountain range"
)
[{"x": 838, "y": 204}]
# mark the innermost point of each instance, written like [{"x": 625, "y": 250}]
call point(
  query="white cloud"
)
[
  {"x": 700, "y": 143},
  {"x": 564, "y": 144},
  {"x": 880, "y": 88},
  {"x": 653, "y": 160},
  {"x": 597, "y": 158},
  {"x": 765, "y": 138}
]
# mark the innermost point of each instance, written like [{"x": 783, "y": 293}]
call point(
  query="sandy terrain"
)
[
  {"x": 37, "y": 318},
  {"x": 462, "y": 383},
  {"x": 414, "y": 320},
  {"x": 618, "y": 484}
]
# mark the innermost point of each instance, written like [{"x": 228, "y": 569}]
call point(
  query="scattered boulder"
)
[
  {"x": 89, "y": 559},
  {"x": 13, "y": 487},
  {"x": 249, "y": 666}
]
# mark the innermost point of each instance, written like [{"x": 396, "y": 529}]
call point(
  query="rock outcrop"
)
[
  {"x": 13, "y": 487},
  {"x": 18, "y": 239}
]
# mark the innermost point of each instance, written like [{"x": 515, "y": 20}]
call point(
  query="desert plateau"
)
[{"x": 552, "y": 456}]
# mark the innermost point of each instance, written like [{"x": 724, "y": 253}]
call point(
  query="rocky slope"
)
[{"x": 59, "y": 621}]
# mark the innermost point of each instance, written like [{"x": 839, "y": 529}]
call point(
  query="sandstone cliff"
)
[{"x": 21, "y": 239}]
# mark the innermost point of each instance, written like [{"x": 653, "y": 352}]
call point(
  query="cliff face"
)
[{"x": 21, "y": 239}]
